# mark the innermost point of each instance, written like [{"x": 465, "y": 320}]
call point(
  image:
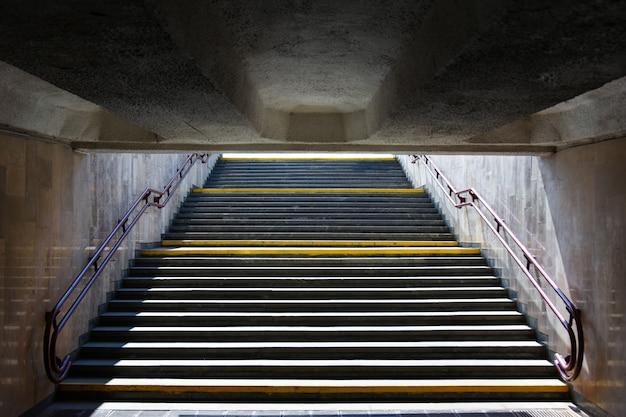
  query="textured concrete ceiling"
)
[{"x": 528, "y": 76}]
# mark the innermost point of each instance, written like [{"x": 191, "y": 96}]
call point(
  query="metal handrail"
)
[
  {"x": 57, "y": 368},
  {"x": 570, "y": 365}
]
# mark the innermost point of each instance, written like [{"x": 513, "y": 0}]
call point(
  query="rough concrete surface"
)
[
  {"x": 56, "y": 207},
  {"x": 568, "y": 210},
  {"x": 288, "y": 75}
]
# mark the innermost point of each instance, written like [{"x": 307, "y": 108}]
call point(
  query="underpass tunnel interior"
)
[
  {"x": 524, "y": 100},
  {"x": 405, "y": 76}
]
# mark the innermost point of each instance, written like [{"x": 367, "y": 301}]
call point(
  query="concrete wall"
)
[
  {"x": 568, "y": 209},
  {"x": 55, "y": 206}
]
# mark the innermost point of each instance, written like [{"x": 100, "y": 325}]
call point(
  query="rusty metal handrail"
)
[
  {"x": 57, "y": 368},
  {"x": 570, "y": 365}
]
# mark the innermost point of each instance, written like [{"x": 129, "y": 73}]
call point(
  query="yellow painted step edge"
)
[
  {"x": 309, "y": 251},
  {"x": 296, "y": 243},
  {"x": 319, "y": 387},
  {"x": 310, "y": 190}
]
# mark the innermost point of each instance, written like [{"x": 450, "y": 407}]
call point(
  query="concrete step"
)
[
  {"x": 276, "y": 293},
  {"x": 333, "y": 318},
  {"x": 311, "y": 260},
  {"x": 320, "y": 230},
  {"x": 254, "y": 215},
  {"x": 273, "y": 184},
  {"x": 328, "y": 172},
  {"x": 244, "y": 234},
  {"x": 313, "y": 197},
  {"x": 311, "y": 333},
  {"x": 435, "y": 245},
  {"x": 315, "y": 221},
  {"x": 318, "y": 391},
  {"x": 527, "y": 408},
  {"x": 306, "y": 168},
  {"x": 339, "y": 179},
  {"x": 233, "y": 181},
  {"x": 309, "y": 282},
  {"x": 305, "y": 251},
  {"x": 337, "y": 172},
  {"x": 359, "y": 191},
  {"x": 299, "y": 305},
  {"x": 265, "y": 203},
  {"x": 440, "y": 350},
  {"x": 292, "y": 171},
  {"x": 327, "y": 269},
  {"x": 204, "y": 211},
  {"x": 314, "y": 368}
]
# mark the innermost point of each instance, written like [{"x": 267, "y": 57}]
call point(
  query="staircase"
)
[{"x": 316, "y": 281}]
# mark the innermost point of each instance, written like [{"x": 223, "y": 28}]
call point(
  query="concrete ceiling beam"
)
[{"x": 36, "y": 108}]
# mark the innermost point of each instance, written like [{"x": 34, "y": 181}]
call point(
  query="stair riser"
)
[
  {"x": 364, "y": 235},
  {"x": 331, "y": 194},
  {"x": 302, "y": 336},
  {"x": 277, "y": 182},
  {"x": 309, "y": 294},
  {"x": 319, "y": 199},
  {"x": 320, "y": 229},
  {"x": 382, "y": 273},
  {"x": 301, "y": 220},
  {"x": 298, "y": 261},
  {"x": 416, "y": 210},
  {"x": 321, "y": 171},
  {"x": 295, "y": 395},
  {"x": 304, "y": 168},
  {"x": 296, "y": 306},
  {"x": 278, "y": 353},
  {"x": 309, "y": 321},
  {"x": 312, "y": 372},
  {"x": 213, "y": 206},
  {"x": 311, "y": 282}
]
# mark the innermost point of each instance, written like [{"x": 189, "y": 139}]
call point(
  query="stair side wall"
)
[
  {"x": 568, "y": 209},
  {"x": 55, "y": 206}
]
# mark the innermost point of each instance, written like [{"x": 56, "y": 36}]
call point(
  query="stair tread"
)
[
  {"x": 314, "y": 278},
  {"x": 323, "y": 301},
  {"x": 307, "y": 290},
  {"x": 208, "y": 384},
  {"x": 308, "y": 250},
  {"x": 337, "y": 329},
  {"x": 329, "y": 243},
  {"x": 507, "y": 313},
  {"x": 317, "y": 363},
  {"x": 309, "y": 190},
  {"x": 319, "y": 267},
  {"x": 295, "y": 345}
]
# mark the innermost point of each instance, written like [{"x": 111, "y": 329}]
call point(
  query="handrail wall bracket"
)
[
  {"x": 57, "y": 368},
  {"x": 569, "y": 365}
]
